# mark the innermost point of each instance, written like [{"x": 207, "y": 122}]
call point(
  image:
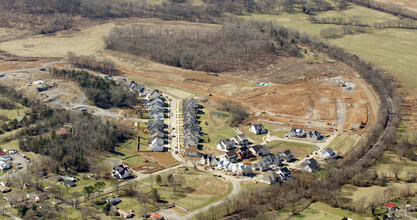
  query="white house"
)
[
  {"x": 209, "y": 160},
  {"x": 259, "y": 150},
  {"x": 157, "y": 145},
  {"x": 4, "y": 165},
  {"x": 310, "y": 165},
  {"x": 270, "y": 177},
  {"x": 119, "y": 172},
  {"x": 328, "y": 154},
  {"x": 225, "y": 145},
  {"x": 258, "y": 129},
  {"x": 241, "y": 169}
]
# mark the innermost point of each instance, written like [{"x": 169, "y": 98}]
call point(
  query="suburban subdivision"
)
[{"x": 196, "y": 109}]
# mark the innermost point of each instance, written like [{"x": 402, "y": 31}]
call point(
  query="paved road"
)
[{"x": 33, "y": 69}]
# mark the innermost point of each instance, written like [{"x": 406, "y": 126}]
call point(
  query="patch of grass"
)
[
  {"x": 344, "y": 142},
  {"x": 298, "y": 149},
  {"x": 218, "y": 126},
  {"x": 207, "y": 190},
  {"x": 14, "y": 113},
  {"x": 322, "y": 211},
  {"x": 126, "y": 153},
  {"x": 392, "y": 49},
  {"x": 129, "y": 203}
]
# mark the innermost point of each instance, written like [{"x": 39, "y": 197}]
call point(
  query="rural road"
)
[{"x": 33, "y": 69}]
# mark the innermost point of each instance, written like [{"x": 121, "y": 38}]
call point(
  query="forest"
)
[
  {"x": 86, "y": 135},
  {"x": 103, "y": 92},
  {"x": 223, "y": 49}
]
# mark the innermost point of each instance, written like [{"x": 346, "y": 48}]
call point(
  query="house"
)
[
  {"x": 4, "y": 165},
  {"x": 56, "y": 202},
  {"x": 56, "y": 178},
  {"x": 310, "y": 165},
  {"x": 41, "y": 197},
  {"x": 191, "y": 151},
  {"x": 113, "y": 200},
  {"x": 269, "y": 161},
  {"x": 154, "y": 94},
  {"x": 157, "y": 144},
  {"x": 270, "y": 177},
  {"x": 328, "y": 154},
  {"x": 156, "y": 114},
  {"x": 225, "y": 145},
  {"x": 68, "y": 183},
  {"x": 241, "y": 169},
  {"x": 231, "y": 156},
  {"x": 119, "y": 172},
  {"x": 62, "y": 132},
  {"x": 259, "y": 150},
  {"x": 284, "y": 173},
  {"x": 258, "y": 129},
  {"x": 286, "y": 155},
  {"x": 209, "y": 160},
  {"x": 223, "y": 164},
  {"x": 240, "y": 139},
  {"x": 156, "y": 216},
  {"x": 6, "y": 158},
  {"x": 244, "y": 153},
  {"x": 390, "y": 207},
  {"x": 5, "y": 189},
  {"x": 31, "y": 195},
  {"x": 124, "y": 214},
  {"x": 315, "y": 135},
  {"x": 297, "y": 132}
]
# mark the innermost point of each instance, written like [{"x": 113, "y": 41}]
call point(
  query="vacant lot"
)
[
  {"x": 200, "y": 189},
  {"x": 322, "y": 211},
  {"x": 300, "y": 150},
  {"x": 343, "y": 143}
]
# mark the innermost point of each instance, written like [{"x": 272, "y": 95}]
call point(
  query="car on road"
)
[{"x": 19, "y": 167}]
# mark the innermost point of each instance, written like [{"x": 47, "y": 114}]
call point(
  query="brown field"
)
[{"x": 163, "y": 158}]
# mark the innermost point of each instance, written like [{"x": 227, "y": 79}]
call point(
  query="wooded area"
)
[
  {"x": 213, "y": 50},
  {"x": 103, "y": 92}
]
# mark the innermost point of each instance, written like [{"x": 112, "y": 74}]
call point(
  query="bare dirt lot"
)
[{"x": 301, "y": 92}]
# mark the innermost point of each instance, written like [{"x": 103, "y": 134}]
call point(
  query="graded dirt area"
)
[
  {"x": 316, "y": 101},
  {"x": 300, "y": 92}
]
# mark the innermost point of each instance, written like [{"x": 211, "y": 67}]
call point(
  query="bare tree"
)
[{"x": 395, "y": 170}]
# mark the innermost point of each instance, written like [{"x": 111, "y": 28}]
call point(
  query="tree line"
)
[
  {"x": 90, "y": 62},
  {"x": 215, "y": 50},
  {"x": 102, "y": 91},
  {"x": 327, "y": 189},
  {"x": 387, "y": 7}
]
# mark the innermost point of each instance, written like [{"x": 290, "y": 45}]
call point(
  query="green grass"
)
[
  {"x": 392, "y": 49},
  {"x": 129, "y": 203},
  {"x": 208, "y": 189},
  {"x": 289, "y": 143},
  {"x": 322, "y": 211},
  {"x": 344, "y": 142},
  {"x": 218, "y": 126},
  {"x": 126, "y": 153},
  {"x": 14, "y": 113},
  {"x": 298, "y": 149},
  {"x": 366, "y": 15}
]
